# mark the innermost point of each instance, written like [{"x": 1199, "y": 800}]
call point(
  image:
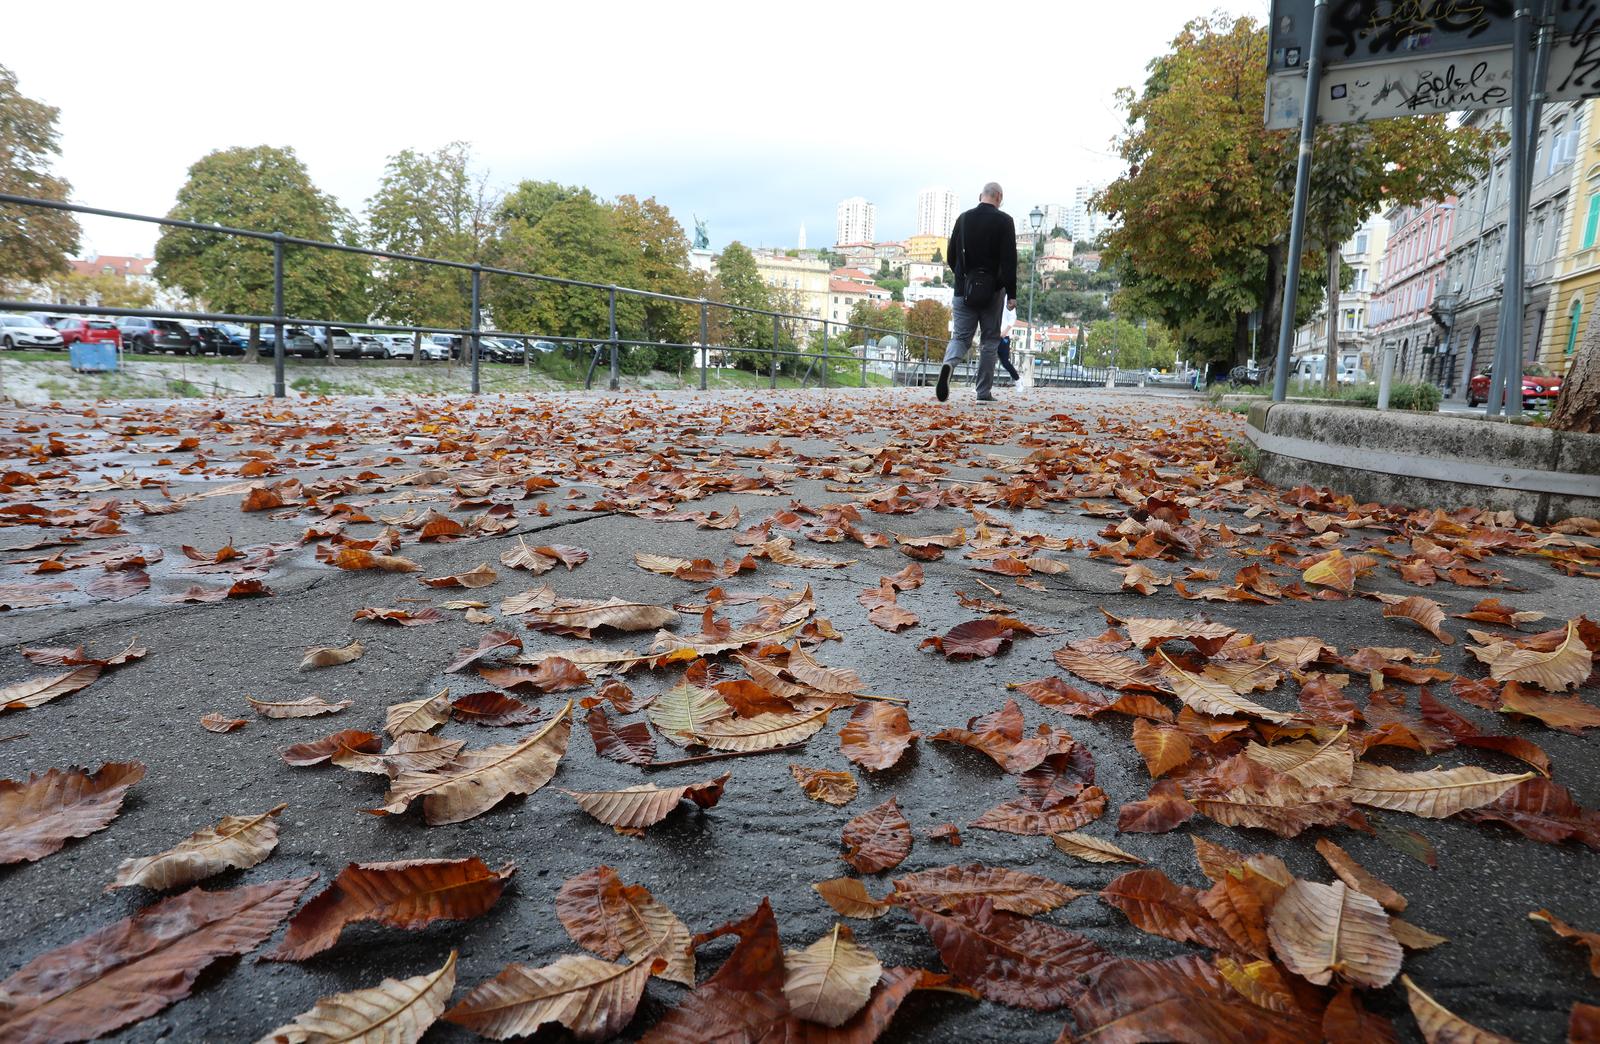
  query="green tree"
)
[
  {"x": 429, "y": 205},
  {"x": 34, "y": 243},
  {"x": 662, "y": 249},
  {"x": 109, "y": 291},
  {"x": 1203, "y": 211},
  {"x": 1127, "y": 345},
  {"x": 927, "y": 322},
  {"x": 572, "y": 235},
  {"x": 738, "y": 282},
  {"x": 266, "y": 189}
]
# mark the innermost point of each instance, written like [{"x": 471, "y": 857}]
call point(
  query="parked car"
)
[
  {"x": 449, "y": 342},
  {"x": 368, "y": 346},
  {"x": 344, "y": 346},
  {"x": 77, "y": 330},
  {"x": 296, "y": 342},
  {"x": 21, "y": 331},
  {"x": 1539, "y": 387},
  {"x": 395, "y": 346},
  {"x": 50, "y": 319},
  {"x": 502, "y": 349},
  {"x": 154, "y": 335},
  {"x": 542, "y": 346},
  {"x": 238, "y": 339},
  {"x": 208, "y": 340}
]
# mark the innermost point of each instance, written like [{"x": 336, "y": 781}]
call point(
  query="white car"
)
[{"x": 19, "y": 331}]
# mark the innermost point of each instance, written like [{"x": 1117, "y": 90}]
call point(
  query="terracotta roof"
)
[
  {"x": 851, "y": 273},
  {"x": 845, "y": 286},
  {"x": 123, "y": 266}
]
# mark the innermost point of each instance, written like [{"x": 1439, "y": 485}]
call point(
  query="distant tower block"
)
[{"x": 802, "y": 244}]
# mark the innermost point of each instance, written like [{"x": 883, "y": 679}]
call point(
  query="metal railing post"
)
[
  {"x": 772, "y": 358},
  {"x": 824, "y": 353},
  {"x": 864, "y": 362},
  {"x": 616, "y": 367},
  {"x": 278, "y": 390},
  {"x": 477, "y": 317},
  {"x": 922, "y": 369},
  {"x": 705, "y": 342}
]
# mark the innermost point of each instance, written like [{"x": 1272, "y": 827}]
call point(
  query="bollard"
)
[
  {"x": 278, "y": 391},
  {"x": 1111, "y": 377},
  {"x": 1386, "y": 377}
]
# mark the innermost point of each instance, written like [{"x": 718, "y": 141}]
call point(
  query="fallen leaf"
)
[
  {"x": 1166, "y": 808},
  {"x": 1358, "y": 877},
  {"x": 1013, "y": 891},
  {"x": 400, "y": 618},
  {"x": 1320, "y": 930},
  {"x": 480, "y": 779},
  {"x": 38, "y": 691},
  {"x": 1092, "y": 849},
  {"x": 878, "y": 839},
  {"x": 1025, "y": 816},
  {"x": 354, "y": 559},
  {"x": 830, "y": 980},
  {"x": 493, "y": 708},
  {"x": 418, "y": 715},
  {"x": 593, "y": 998},
  {"x": 827, "y": 785},
  {"x": 973, "y": 640},
  {"x": 1181, "y": 998},
  {"x": 214, "y": 722},
  {"x": 629, "y": 743},
  {"x": 410, "y": 752},
  {"x": 1008, "y": 958},
  {"x": 1588, "y": 940},
  {"x": 479, "y": 576},
  {"x": 39, "y": 815},
  {"x": 683, "y": 712},
  {"x": 1153, "y": 903},
  {"x": 877, "y": 735},
  {"x": 1163, "y": 749},
  {"x": 318, "y": 751},
  {"x": 490, "y": 643},
  {"x": 129, "y": 970},
  {"x": 309, "y": 707},
  {"x": 409, "y": 894},
  {"x": 1435, "y": 793},
  {"x": 328, "y": 656},
  {"x": 1439, "y": 1025},
  {"x": 237, "y": 842},
  {"x": 1569, "y": 714},
  {"x": 630, "y": 810},
  {"x": 611, "y": 919},
  {"x": 849, "y": 898},
  {"x": 1562, "y": 668},
  {"x": 396, "y": 1011}
]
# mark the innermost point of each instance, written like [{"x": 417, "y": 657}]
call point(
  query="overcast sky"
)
[{"x": 754, "y": 116}]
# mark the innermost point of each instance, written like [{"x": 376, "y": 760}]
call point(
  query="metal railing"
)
[{"x": 916, "y": 361}]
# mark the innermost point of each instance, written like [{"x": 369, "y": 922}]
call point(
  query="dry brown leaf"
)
[
  {"x": 878, "y": 839},
  {"x": 1206, "y": 696},
  {"x": 480, "y": 779},
  {"x": 410, "y": 752},
  {"x": 946, "y": 887},
  {"x": 684, "y": 712},
  {"x": 1092, "y": 849},
  {"x": 592, "y": 998},
  {"x": 877, "y": 735},
  {"x": 764, "y": 731},
  {"x": 40, "y": 814},
  {"x": 1424, "y": 612},
  {"x": 1569, "y": 714},
  {"x": 1321, "y": 930},
  {"x": 421, "y": 715},
  {"x": 1435, "y": 793},
  {"x": 38, "y": 691},
  {"x": 830, "y": 980},
  {"x": 318, "y": 751},
  {"x": 396, "y": 1011},
  {"x": 132, "y": 969},
  {"x": 1588, "y": 940},
  {"x": 849, "y": 898},
  {"x": 610, "y": 918},
  {"x": 215, "y": 722},
  {"x": 1162, "y": 748},
  {"x": 1562, "y": 668},
  {"x": 826, "y": 785},
  {"x": 1358, "y": 877},
  {"x": 1439, "y": 1025},
  {"x": 328, "y": 656},
  {"x": 238, "y": 842},
  {"x": 309, "y": 707},
  {"x": 408, "y": 894},
  {"x": 630, "y": 810},
  {"x": 479, "y": 576}
]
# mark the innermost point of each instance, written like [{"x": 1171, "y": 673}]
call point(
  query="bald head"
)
[{"x": 992, "y": 193}]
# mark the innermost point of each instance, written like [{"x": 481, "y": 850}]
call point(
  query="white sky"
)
[{"x": 756, "y": 116}]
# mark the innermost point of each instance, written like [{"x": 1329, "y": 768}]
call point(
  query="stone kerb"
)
[{"x": 1429, "y": 459}]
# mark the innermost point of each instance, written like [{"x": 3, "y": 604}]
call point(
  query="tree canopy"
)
[{"x": 34, "y": 243}]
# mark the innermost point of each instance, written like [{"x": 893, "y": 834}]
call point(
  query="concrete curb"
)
[{"x": 1429, "y": 459}]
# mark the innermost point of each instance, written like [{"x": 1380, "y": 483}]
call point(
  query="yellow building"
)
[
  {"x": 923, "y": 248},
  {"x": 1577, "y": 267},
  {"x": 800, "y": 283}
]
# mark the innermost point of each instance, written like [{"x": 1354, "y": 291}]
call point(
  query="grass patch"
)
[
  {"x": 317, "y": 386},
  {"x": 1246, "y": 458},
  {"x": 1403, "y": 395}
]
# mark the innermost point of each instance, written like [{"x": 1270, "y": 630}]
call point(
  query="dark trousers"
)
[{"x": 1005, "y": 361}]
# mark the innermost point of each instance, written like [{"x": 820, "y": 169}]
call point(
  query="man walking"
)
[{"x": 983, "y": 254}]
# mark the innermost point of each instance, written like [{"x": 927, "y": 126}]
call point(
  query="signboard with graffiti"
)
[{"x": 1385, "y": 58}]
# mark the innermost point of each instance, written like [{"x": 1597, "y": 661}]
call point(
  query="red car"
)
[
  {"x": 88, "y": 331},
  {"x": 1538, "y": 387}
]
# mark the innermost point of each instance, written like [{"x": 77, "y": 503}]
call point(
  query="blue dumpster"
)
[{"x": 97, "y": 357}]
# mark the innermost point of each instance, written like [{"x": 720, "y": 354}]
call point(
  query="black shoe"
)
[
  {"x": 941, "y": 391},
  {"x": 986, "y": 398}
]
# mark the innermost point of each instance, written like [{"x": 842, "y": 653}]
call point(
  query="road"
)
[{"x": 620, "y": 465}]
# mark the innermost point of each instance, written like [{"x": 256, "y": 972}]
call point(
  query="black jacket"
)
[{"x": 990, "y": 239}]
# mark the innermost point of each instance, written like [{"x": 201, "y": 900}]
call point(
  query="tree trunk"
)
[
  {"x": 1272, "y": 300},
  {"x": 252, "y": 353},
  {"x": 416, "y": 348},
  {"x": 1578, "y": 407},
  {"x": 1330, "y": 376},
  {"x": 1241, "y": 339}
]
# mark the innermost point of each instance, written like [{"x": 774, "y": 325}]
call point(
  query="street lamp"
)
[{"x": 1035, "y": 220}]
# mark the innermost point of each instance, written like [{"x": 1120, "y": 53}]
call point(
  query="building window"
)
[
  {"x": 1591, "y": 223},
  {"x": 1361, "y": 242},
  {"x": 1572, "y": 329}
]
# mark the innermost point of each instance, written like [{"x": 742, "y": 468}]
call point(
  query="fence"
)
[{"x": 916, "y": 360}]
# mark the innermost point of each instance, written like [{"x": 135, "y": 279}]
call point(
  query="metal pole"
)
[
  {"x": 277, "y": 313},
  {"x": 611, "y": 309},
  {"x": 824, "y": 353},
  {"x": 772, "y": 358},
  {"x": 1505, "y": 382},
  {"x": 477, "y": 317},
  {"x": 705, "y": 342},
  {"x": 1386, "y": 376},
  {"x": 1302, "y": 185}
]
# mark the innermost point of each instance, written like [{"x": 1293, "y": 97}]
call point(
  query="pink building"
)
[{"x": 1411, "y": 277}]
